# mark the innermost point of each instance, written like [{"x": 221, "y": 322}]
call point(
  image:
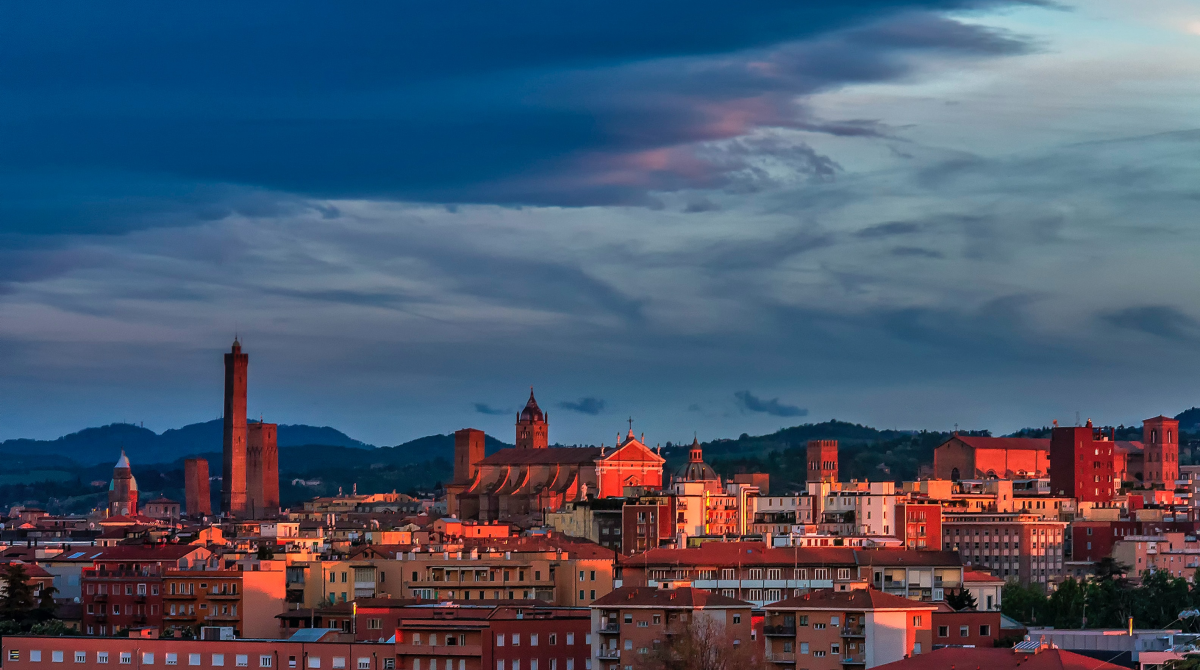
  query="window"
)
[
  {"x": 916, "y": 647},
  {"x": 81, "y": 657},
  {"x": 821, "y": 573},
  {"x": 835, "y": 649},
  {"x": 516, "y": 641},
  {"x": 819, "y": 654},
  {"x": 339, "y": 663},
  {"x": 126, "y": 658},
  {"x": 193, "y": 659},
  {"x": 756, "y": 573},
  {"x": 500, "y": 640},
  {"x": 628, "y": 618},
  {"x": 985, "y": 630},
  {"x": 314, "y": 662},
  {"x": 943, "y": 631},
  {"x": 843, "y": 573},
  {"x": 241, "y": 660},
  {"x": 643, "y": 624},
  {"x": 628, "y": 644},
  {"x": 102, "y": 657},
  {"x": 964, "y": 631},
  {"x": 218, "y": 660},
  {"x": 56, "y": 657},
  {"x": 364, "y": 663},
  {"x": 818, "y": 626},
  {"x": 917, "y": 621},
  {"x": 571, "y": 638},
  {"x": 533, "y": 640},
  {"x": 390, "y": 664},
  {"x": 171, "y": 659},
  {"x": 553, "y": 639},
  {"x": 727, "y": 573},
  {"x": 291, "y": 661},
  {"x": 774, "y": 573},
  {"x": 147, "y": 658},
  {"x": 737, "y": 618},
  {"x": 264, "y": 661},
  {"x": 375, "y": 624},
  {"x": 800, "y": 573}
]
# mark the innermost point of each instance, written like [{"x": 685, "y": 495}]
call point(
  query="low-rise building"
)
[
  {"x": 633, "y": 621},
  {"x": 832, "y": 630}
]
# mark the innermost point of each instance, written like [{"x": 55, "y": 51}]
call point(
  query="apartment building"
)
[
  {"x": 783, "y": 515},
  {"x": 479, "y": 637},
  {"x": 855, "y": 508},
  {"x": 1013, "y": 545},
  {"x": 123, "y": 589},
  {"x": 1176, "y": 554},
  {"x": 832, "y": 630},
  {"x": 633, "y": 621},
  {"x": 555, "y": 570},
  {"x": 247, "y": 600}
]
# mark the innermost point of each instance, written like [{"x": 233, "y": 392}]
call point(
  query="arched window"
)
[{"x": 954, "y": 475}]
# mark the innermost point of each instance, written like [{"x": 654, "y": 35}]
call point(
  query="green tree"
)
[
  {"x": 16, "y": 603},
  {"x": 1065, "y": 607},
  {"x": 961, "y": 599},
  {"x": 52, "y": 627},
  {"x": 1023, "y": 603},
  {"x": 266, "y": 552}
]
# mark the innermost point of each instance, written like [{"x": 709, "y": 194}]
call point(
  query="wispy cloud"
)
[
  {"x": 484, "y": 408},
  {"x": 752, "y": 403},
  {"x": 589, "y": 405}
]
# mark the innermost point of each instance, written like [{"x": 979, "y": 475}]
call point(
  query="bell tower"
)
[{"x": 532, "y": 426}]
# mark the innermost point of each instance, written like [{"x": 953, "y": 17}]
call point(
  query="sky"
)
[{"x": 713, "y": 218}]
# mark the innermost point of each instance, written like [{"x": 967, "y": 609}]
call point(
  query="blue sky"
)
[{"x": 710, "y": 217}]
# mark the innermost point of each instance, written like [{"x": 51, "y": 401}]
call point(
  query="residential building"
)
[
  {"x": 482, "y": 637},
  {"x": 919, "y": 525},
  {"x": 633, "y": 621},
  {"x": 123, "y": 589},
  {"x": 1013, "y": 546},
  {"x": 832, "y": 630},
  {"x": 965, "y": 628},
  {"x": 1082, "y": 463},
  {"x": 246, "y": 599}
]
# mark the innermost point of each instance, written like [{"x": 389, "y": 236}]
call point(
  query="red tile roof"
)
[
  {"x": 683, "y": 597},
  {"x": 858, "y": 599},
  {"x": 980, "y": 576},
  {"x": 549, "y": 456},
  {"x": 757, "y": 553},
  {"x": 148, "y": 552},
  {"x": 1028, "y": 443},
  {"x": 964, "y": 658}
]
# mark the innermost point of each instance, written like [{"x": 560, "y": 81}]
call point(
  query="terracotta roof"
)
[
  {"x": 858, "y": 599},
  {"x": 1028, "y": 443},
  {"x": 757, "y": 553},
  {"x": 1130, "y": 447},
  {"x": 980, "y": 576},
  {"x": 683, "y": 597},
  {"x": 148, "y": 552},
  {"x": 548, "y": 456},
  {"x": 999, "y": 659}
]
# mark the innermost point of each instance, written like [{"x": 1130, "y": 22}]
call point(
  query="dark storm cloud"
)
[
  {"x": 1158, "y": 320},
  {"x": 576, "y": 103},
  {"x": 752, "y": 403},
  {"x": 484, "y": 408},
  {"x": 592, "y": 406}
]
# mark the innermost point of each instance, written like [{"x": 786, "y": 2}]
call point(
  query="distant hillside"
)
[{"x": 101, "y": 445}]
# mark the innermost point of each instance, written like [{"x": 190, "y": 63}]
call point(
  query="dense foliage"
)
[
  {"x": 1107, "y": 601},
  {"x": 23, "y": 612}
]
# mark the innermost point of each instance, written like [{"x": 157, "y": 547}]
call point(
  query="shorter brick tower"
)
[
  {"x": 468, "y": 451},
  {"x": 123, "y": 491},
  {"x": 822, "y": 460},
  {"x": 197, "y": 496},
  {"x": 533, "y": 430},
  {"x": 1160, "y": 436},
  {"x": 262, "y": 469},
  {"x": 1082, "y": 463}
]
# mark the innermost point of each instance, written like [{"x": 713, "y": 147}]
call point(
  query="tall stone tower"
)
[
  {"x": 1160, "y": 436},
  {"x": 822, "y": 460},
  {"x": 123, "y": 491},
  {"x": 197, "y": 495},
  {"x": 532, "y": 426},
  {"x": 468, "y": 451},
  {"x": 262, "y": 469},
  {"x": 233, "y": 472}
]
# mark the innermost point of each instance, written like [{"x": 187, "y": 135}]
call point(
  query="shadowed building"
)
[
  {"x": 822, "y": 460},
  {"x": 1160, "y": 460},
  {"x": 233, "y": 471},
  {"x": 262, "y": 469},
  {"x": 1083, "y": 463},
  {"x": 123, "y": 490},
  {"x": 197, "y": 496}
]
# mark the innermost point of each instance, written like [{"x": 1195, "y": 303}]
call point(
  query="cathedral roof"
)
[
  {"x": 548, "y": 456},
  {"x": 532, "y": 412}
]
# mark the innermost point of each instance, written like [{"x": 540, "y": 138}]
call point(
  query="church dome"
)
[
  {"x": 696, "y": 470},
  {"x": 532, "y": 413}
]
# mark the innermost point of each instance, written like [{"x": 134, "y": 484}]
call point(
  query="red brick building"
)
[
  {"x": 921, "y": 527},
  {"x": 233, "y": 472},
  {"x": 123, "y": 589},
  {"x": 1082, "y": 464},
  {"x": 1160, "y": 437},
  {"x": 965, "y": 628},
  {"x": 197, "y": 494},
  {"x": 262, "y": 469},
  {"x": 822, "y": 460},
  {"x": 533, "y": 426},
  {"x": 646, "y": 523},
  {"x": 123, "y": 490},
  {"x": 971, "y": 457}
]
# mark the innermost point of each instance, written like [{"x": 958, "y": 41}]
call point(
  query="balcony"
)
[
  {"x": 781, "y": 657},
  {"x": 780, "y": 630},
  {"x": 854, "y": 659},
  {"x": 854, "y": 631},
  {"x": 609, "y": 654},
  {"x": 440, "y": 650},
  {"x": 224, "y": 596},
  {"x": 611, "y": 629}
]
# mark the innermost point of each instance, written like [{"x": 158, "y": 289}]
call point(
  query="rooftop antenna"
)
[{"x": 1076, "y": 419}]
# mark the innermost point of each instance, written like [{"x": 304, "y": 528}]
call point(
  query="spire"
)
[
  {"x": 531, "y": 412},
  {"x": 123, "y": 461}
]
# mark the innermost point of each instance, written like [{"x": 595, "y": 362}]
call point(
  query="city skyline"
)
[{"x": 717, "y": 220}]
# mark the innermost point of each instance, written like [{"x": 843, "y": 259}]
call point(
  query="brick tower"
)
[
  {"x": 262, "y": 469},
  {"x": 1160, "y": 436},
  {"x": 233, "y": 471},
  {"x": 822, "y": 461},
  {"x": 123, "y": 491},
  {"x": 532, "y": 426},
  {"x": 1082, "y": 463},
  {"x": 197, "y": 496},
  {"x": 468, "y": 451}
]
